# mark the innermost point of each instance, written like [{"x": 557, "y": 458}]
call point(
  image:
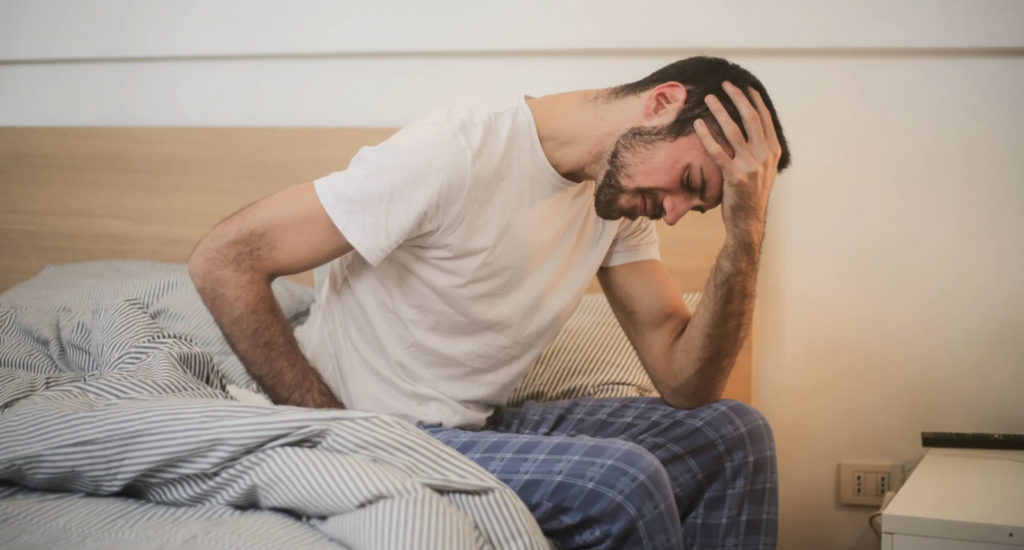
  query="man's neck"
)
[{"x": 578, "y": 129}]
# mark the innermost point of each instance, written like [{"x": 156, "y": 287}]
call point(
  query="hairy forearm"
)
[
  {"x": 704, "y": 353},
  {"x": 706, "y": 346},
  {"x": 254, "y": 325}
]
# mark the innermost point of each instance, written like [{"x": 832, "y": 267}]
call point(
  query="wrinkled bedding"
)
[{"x": 116, "y": 432}]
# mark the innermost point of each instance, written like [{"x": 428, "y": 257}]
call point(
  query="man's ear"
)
[{"x": 663, "y": 103}]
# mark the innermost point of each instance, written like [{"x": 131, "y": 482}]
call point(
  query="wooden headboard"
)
[{"x": 75, "y": 194}]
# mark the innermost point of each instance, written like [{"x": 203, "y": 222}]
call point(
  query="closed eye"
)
[
  {"x": 703, "y": 186},
  {"x": 701, "y": 193},
  {"x": 687, "y": 184}
]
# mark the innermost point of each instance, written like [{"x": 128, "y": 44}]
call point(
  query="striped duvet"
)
[{"x": 116, "y": 432}]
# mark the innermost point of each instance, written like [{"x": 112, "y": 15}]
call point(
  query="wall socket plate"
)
[{"x": 865, "y": 482}]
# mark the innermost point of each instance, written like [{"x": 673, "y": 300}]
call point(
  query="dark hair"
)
[{"x": 703, "y": 76}]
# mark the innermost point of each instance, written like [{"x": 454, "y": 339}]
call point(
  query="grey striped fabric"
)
[
  {"x": 589, "y": 357},
  {"x": 166, "y": 291},
  {"x": 98, "y": 398},
  {"x": 44, "y": 520}
]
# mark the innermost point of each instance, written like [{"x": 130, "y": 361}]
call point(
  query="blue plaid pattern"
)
[{"x": 634, "y": 472}]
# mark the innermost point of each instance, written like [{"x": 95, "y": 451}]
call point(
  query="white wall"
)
[
  {"x": 891, "y": 299},
  {"x": 891, "y": 293},
  {"x": 58, "y": 29},
  {"x": 329, "y": 62}
]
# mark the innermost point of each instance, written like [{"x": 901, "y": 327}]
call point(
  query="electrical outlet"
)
[{"x": 865, "y": 482}]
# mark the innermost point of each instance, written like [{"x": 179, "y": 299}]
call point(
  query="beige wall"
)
[
  {"x": 892, "y": 290},
  {"x": 891, "y": 298}
]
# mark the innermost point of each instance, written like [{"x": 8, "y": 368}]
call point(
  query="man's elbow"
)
[
  {"x": 204, "y": 264},
  {"x": 217, "y": 264},
  {"x": 692, "y": 396}
]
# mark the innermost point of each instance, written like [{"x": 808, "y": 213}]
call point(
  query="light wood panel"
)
[{"x": 75, "y": 194}]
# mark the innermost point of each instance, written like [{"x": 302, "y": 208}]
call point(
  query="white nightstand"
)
[{"x": 959, "y": 499}]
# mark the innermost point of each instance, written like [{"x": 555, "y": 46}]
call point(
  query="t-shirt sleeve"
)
[
  {"x": 636, "y": 240},
  {"x": 396, "y": 191}
]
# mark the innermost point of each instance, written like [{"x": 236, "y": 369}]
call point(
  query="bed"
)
[{"x": 126, "y": 420}]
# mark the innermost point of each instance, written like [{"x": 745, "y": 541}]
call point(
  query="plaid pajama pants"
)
[{"x": 634, "y": 472}]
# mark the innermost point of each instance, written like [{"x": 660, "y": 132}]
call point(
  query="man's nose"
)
[{"x": 675, "y": 209}]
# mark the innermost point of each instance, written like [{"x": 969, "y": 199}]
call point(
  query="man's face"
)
[{"x": 651, "y": 176}]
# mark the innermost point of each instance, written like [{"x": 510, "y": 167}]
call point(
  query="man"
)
[{"x": 459, "y": 247}]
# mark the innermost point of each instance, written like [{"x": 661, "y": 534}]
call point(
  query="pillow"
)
[
  {"x": 589, "y": 357},
  {"x": 167, "y": 292}
]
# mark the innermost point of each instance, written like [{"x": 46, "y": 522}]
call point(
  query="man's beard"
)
[{"x": 609, "y": 190}]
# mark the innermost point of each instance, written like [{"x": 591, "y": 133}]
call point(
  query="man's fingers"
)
[
  {"x": 771, "y": 137},
  {"x": 715, "y": 151},
  {"x": 750, "y": 117},
  {"x": 729, "y": 128}
]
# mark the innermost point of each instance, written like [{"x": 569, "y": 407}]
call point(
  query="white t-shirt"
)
[{"x": 470, "y": 254}]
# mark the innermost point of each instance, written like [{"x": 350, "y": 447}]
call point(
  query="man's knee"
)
[
  {"x": 742, "y": 428},
  {"x": 618, "y": 473},
  {"x": 638, "y": 475},
  {"x": 624, "y": 487}
]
